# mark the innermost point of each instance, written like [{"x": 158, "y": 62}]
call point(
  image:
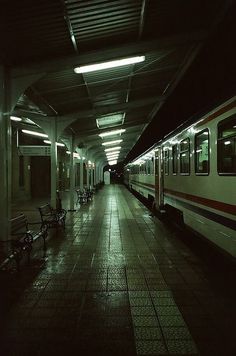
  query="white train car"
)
[{"x": 193, "y": 170}]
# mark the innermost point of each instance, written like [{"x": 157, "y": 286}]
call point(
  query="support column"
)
[
  {"x": 81, "y": 170},
  {"x": 101, "y": 174},
  {"x": 94, "y": 175},
  {"x": 5, "y": 154},
  {"x": 54, "y": 173},
  {"x": 87, "y": 182},
  {"x": 72, "y": 175},
  {"x": 92, "y": 184}
]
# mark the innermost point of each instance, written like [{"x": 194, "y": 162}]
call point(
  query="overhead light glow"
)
[
  {"x": 15, "y": 118},
  {"x": 227, "y": 143},
  {"x": 110, "y": 143},
  {"x": 110, "y": 120},
  {"x": 112, "y": 149},
  {"x": 112, "y": 157},
  {"x": 112, "y": 153},
  {"x": 110, "y": 64},
  {"x": 34, "y": 133},
  {"x": 57, "y": 143},
  {"x": 111, "y": 133},
  {"x": 112, "y": 163}
]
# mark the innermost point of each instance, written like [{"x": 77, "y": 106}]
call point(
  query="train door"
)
[{"x": 159, "y": 179}]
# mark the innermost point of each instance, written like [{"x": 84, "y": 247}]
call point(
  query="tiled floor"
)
[{"x": 117, "y": 282}]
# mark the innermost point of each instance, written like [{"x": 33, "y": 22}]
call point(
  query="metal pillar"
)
[
  {"x": 88, "y": 184},
  {"x": 94, "y": 176},
  {"x": 72, "y": 175},
  {"x": 5, "y": 154},
  {"x": 81, "y": 170},
  {"x": 54, "y": 173},
  {"x": 92, "y": 181}
]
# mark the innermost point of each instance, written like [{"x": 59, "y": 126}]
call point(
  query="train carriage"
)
[{"x": 193, "y": 171}]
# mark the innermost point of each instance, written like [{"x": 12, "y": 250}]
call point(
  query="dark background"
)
[{"x": 209, "y": 80}]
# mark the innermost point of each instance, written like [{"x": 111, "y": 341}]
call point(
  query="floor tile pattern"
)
[{"x": 117, "y": 282}]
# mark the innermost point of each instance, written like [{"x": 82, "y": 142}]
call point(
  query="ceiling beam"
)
[
  {"x": 132, "y": 48},
  {"x": 107, "y": 109},
  {"x": 142, "y": 18}
]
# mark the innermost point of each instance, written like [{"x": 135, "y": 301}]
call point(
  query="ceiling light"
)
[
  {"x": 111, "y": 142},
  {"x": 15, "y": 118},
  {"x": 34, "y": 133},
  {"x": 115, "y": 155},
  {"x": 57, "y": 143},
  {"x": 112, "y": 157},
  {"x": 112, "y": 149},
  {"x": 110, "y": 64},
  {"x": 112, "y": 163},
  {"x": 112, "y": 153},
  {"x": 110, "y": 120},
  {"x": 111, "y": 133}
]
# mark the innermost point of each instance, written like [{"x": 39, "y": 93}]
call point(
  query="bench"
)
[
  {"x": 83, "y": 196},
  {"x": 22, "y": 238},
  {"x": 52, "y": 217}
]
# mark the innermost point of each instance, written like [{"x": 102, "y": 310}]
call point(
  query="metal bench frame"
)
[
  {"x": 22, "y": 238},
  {"x": 52, "y": 217}
]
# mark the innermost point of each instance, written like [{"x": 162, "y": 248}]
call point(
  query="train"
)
[{"x": 192, "y": 172}]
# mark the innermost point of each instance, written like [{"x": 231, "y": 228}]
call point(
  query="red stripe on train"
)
[
  {"x": 217, "y": 113},
  {"x": 226, "y": 208}
]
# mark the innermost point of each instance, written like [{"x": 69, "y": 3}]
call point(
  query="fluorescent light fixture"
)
[
  {"x": 110, "y": 64},
  {"x": 68, "y": 152},
  {"x": 108, "y": 154},
  {"x": 34, "y": 133},
  {"x": 227, "y": 142},
  {"x": 114, "y": 156},
  {"x": 112, "y": 163},
  {"x": 57, "y": 143},
  {"x": 111, "y": 152},
  {"x": 110, "y": 143},
  {"x": 112, "y": 149},
  {"x": 111, "y": 133},
  {"x": 15, "y": 118},
  {"x": 114, "y": 119}
]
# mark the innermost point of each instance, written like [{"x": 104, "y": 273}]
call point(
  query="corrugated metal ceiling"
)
[{"x": 52, "y": 37}]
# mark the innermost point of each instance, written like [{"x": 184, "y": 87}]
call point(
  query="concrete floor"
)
[{"x": 117, "y": 282}]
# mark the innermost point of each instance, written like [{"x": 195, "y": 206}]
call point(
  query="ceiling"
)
[{"x": 52, "y": 37}]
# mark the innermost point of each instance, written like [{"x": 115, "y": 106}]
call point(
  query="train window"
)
[
  {"x": 202, "y": 152},
  {"x": 152, "y": 165},
  {"x": 185, "y": 156},
  {"x": 226, "y": 146},
  {"x": 166, "y": 162},
  {"x": 174, "y": 159}
]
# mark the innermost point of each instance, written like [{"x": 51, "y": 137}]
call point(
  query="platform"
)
[{"x": 117, "y": 282}]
